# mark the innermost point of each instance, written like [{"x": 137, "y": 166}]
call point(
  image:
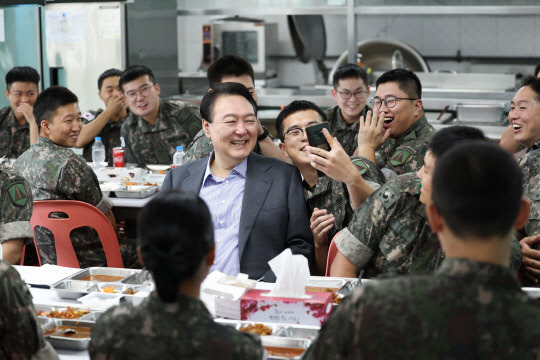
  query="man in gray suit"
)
[{"x": 257, "y": 203}]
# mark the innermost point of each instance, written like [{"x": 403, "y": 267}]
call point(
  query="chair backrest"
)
[
  {"x": 332, "y": 251},
  {"x": 79, "y": 214}
]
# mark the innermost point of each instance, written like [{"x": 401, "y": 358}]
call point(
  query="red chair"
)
[
  {"x": 332, "y": 251},
  {"x": 79, "y": 214}
]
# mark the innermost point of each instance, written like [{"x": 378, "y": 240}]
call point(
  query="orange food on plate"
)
[
  {"x": 108, "y": 289},
  {"x": 69, "y": 313},
  {"x": 258, "y": 329},
  {"x": 131, "y": 183}
]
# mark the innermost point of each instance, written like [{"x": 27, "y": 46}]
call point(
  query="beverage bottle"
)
[
  {"x": 178, "y": 157},
  {"x": 98, "y": 151}
]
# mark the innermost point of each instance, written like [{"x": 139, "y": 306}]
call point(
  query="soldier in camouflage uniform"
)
[
  {"x": 154, "y": 127},
  {"x": 55, "y": 172},
  {"x": 20, "y": 334},
  {"x": 472, "y": 307},
  {"x": 395, "y": 135},
  {"x": 176, "y": 324},
  {"x": 232, "y": 68},
  {"x": 104, "y": 123},
  {"x": 22, "y": 90},
  {"x": 15, "y": 214},
  {"x": 390, "y": 233},
  {"x": 350, "y": 92}
]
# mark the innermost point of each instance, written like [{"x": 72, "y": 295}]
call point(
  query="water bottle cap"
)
[
  {"x": 179, "y": 148},
  {"x": 98, "y": 138}
]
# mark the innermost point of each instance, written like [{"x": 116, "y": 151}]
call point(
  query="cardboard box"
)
[{"x": 314, "y": 310}]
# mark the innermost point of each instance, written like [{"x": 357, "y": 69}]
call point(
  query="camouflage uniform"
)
[
  {"x": 390, "y": 234},
  {"x": 466, "y": 310},
  {"x": 14, "y": 138},
  {"x": 347, "y": 134},
  {"x": 405, "y": 154},
  {"x": 15, "y": 207},
  {"x": 202, "y": 146},
  {"x": 57, "y": 173},
  {"x": 20, "y": 334},
  {"x": 180, "y": 330},
  {"x": 177, "y": 125},
  {"x": 110, "y": 136}
]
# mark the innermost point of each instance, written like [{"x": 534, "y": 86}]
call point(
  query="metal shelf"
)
[{"x": 328, "y": 10}]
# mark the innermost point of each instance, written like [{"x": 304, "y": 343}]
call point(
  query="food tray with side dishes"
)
[
  {"x": 136, "y": 191},
  {"x": 69, "y": 312},
  {"x": 67, "y": 340},
  {"x": 103, "y": 274},
  {"x": 284, "y": 330},
  {"x": 278, "y": 347}
]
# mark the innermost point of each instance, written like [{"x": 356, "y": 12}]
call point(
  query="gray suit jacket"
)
[{"x": 274, "y": 212}]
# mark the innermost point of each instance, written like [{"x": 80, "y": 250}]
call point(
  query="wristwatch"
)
[{"x": 264, "y": 135}]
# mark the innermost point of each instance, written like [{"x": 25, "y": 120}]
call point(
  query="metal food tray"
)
[
  {"x": 136, "y": 191},
  {"x": 285, "y": 342},
  {"x": 102, "y": 271},
  {"x": 283, "y": 330},
  {"x": 93, "y": 316},
  {"x": 60, "y": 342},
  {"x": 71, "y": 289},
  {"x": 120, "y": 288}
]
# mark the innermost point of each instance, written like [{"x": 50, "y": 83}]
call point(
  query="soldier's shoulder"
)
[
  {"x": 332, "y": 113},
  {"x": 8, "y": 173},
  {"x": 90, "y": 115},
  {"x": 4, "y": 112},
  {"x": 398, "y": 190}
]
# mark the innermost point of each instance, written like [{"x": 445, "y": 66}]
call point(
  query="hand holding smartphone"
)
[{"x": 316, "y": 137}]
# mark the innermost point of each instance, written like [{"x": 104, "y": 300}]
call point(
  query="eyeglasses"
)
[
  {"x": 144, "y": 91},
  {"x": 295, "y": 134},
  {"x": 346, "y": 95},
  {"x": 389, "y": 101}
]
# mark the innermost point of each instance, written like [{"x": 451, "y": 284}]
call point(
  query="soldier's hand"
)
[
  {"x": 530, "y": 258},
  {"x": 335, "y": 163},
  {"x": 116, "y": 104},
  {"x": 26, "y": 110},
  {"x": 371, "y": 133},
  {"x": 320, "y": 224}
]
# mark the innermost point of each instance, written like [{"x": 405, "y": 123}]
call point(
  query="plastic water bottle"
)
[
  {"x": 98, "y": 151},
  {"x": 178, "y": 157}
]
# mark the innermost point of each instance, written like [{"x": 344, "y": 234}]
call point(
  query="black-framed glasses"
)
[
  {"x": 346, "y": 95},
  {"x": 143, "y": 90},
  {"x": 295, "y": 134},
  {"x": 389, "y": 101}
]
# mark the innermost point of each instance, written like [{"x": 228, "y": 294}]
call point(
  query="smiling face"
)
[
  {"x": 295, "y": 149},
  {"x": 233, "y": 129},
  {"x": 350, "y": 108},
  {"x": 524, "y": 116},
  {"x": 109, "y": 88},
  {"x": 142, "y": 97},
  {"x": 64, "y": 127},
  {"x": 426, "y": 177},
  {"x": 402, "y": 116},
  {"x": 21, "y": 93}
]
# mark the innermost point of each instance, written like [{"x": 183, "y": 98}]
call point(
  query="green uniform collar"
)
[
  {"x": 341, "y": 124},
  {"x": 535, "y": 146},
  {"x": 478, "y": 272}
]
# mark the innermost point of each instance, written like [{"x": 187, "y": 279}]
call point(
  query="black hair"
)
[
  {"x": 106, "y": 74},
  {"x": 22, "y": 74},
  {"x": 49, "y": 100},
  {"x": 407, "y": 82},
  {"x": 536, "y": 70},
  {"x": 294, "y": 107},
  {"x": 477, "y": 189},
  {"x": 134, "y": 72},
  {"x": 228, "y": 88},
  {"x": 228, "y": 66},
  {"x": 175, "y": 235},
  {"x": 534, "y": 83},
  {"x": 349, "y": 71},
  {"x": 447, "y": 138}
]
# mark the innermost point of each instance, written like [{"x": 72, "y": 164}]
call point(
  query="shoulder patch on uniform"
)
[
  {"x": 88, "y": 116},
  {"x": 18, "y": 194},
  {"x": 387, "y": 196},
  {"x": 361, "y": 166},
  {"x": 401, "y": 156}
]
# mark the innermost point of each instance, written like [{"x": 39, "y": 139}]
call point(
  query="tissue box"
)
[{"x": 254, "y": 306}]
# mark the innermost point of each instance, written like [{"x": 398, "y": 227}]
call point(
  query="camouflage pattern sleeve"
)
[
  {"x": 20, "y": 334},
  {"x": 192, "y": 120},
  {"x": 200, "y": 147},
  {"x": 533, "y": 194},
  {"x": 369, "y": 171},
  {"x": 128, "y": 149},
  {"x": 15, "y": 207}
]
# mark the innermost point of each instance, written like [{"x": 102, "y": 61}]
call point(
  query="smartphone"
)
[{"x": 316, "y": 137}]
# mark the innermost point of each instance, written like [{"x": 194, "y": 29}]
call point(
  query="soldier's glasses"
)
[
  {"x": 389, "y": 101},
  {"x": 346, "y": 95},
  {"x": 295, "y": 134},
  {"x": 143, "y": 90}
]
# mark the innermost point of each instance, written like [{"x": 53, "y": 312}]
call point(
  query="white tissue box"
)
[{"x": 313, "y": 310}]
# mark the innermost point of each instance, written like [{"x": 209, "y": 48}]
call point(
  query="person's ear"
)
[
  {"x": 45, "y": 128},
  {"x": 418, "y": 107},
  {"x": 206, "y": 128},
  {"x": 523, "y": 215},
  {"x": 283, "y": 150},
  {"x": 7, "y": 95},
  {"x": 334, "y": 95},
  {"x": 158, "y": 89},
  {"x": 211, "y": 256},
  {"x": 436, "y": 221},
  {"x": 139, "y": 255}
]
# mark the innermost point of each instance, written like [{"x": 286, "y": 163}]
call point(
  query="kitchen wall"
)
[{"x": 431, "y": 35}]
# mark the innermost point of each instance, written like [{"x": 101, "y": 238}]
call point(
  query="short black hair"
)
[
  {"x": 106, "y": 74},
  {"x": 134, "y": 72},
  {"x": 536, "y": 70},
  {"x": 22, "y": 74},
  {"x": 228, "y": 66},
  {"x": 534, "y": 83},
  {"x": 477, "y": 189},
  {"x": 349, "y": 71},
  {"x": 175, "y": 234},
  {"x": 407, "y": 81},
  {"x": 228, "y": 88},
  {"x": 294, "y": 107},
  {"x": 449, "y": 137},
  {"x": 49, "y": 100}
]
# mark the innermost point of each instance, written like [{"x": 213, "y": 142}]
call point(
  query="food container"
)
[
  {"x": 135, "y": 299},
  {"x": 91, "y": 316},
  {"x": 295, "y": 347},
  {"x": 100, "y": 301},
  {"x": 63, "y": 342},
  {"x": 71, "y": 289},
  {"x": 136, "y": 191},
  {"x": 158, "y": 168},
  {"x": 118, "y": 273},
  {"x": 284, "y": 330}
]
